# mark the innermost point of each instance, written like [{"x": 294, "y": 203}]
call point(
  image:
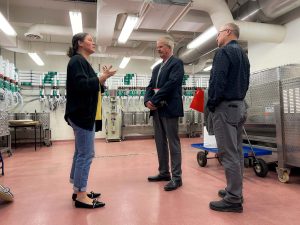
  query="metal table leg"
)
[
  {"x": 2, "y": 164},
  {"x": 8, "y": 144},
  {"x": 40, "y": 136},
  {"x": 15, "y": 137},
  {"x": 35, "y": 138}
]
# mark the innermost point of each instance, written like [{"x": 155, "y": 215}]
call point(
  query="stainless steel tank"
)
[
  {"x": 128, "y": 118},
  {"x": 140, "y": 118}
]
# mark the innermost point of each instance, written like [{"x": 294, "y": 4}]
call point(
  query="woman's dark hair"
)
[{"x": 77, "y": 37}]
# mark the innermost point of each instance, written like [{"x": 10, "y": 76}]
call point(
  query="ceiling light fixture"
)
[
  {"x": 202, "y": 38},
  {"x": 6, "y": 27},
  {"x": 35, "y": 57},
  {"x": 124, "y": 62},
  {"x": 156, "y": 63},
  {"x": 127, "y": 28},
  {"x": 76, "y": 21},
  {"x": 207, "y": 68}
]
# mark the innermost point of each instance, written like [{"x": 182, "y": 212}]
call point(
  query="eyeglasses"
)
[{"x": 223, "y": 31}]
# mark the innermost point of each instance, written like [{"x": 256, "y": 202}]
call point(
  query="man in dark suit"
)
[{"x": 164, "y": 98}]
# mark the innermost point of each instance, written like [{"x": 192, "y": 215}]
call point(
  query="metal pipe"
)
[{"x": 180, "y": 15}]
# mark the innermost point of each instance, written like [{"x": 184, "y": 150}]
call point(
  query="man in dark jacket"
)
[
  {"x": 164, "y": 98},
  {"x": 228, "y": 84}
]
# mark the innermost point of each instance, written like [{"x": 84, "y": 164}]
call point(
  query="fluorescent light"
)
[
  {"x": 124, "y": 62},
  {"x": 127, "y": 28},
  {"x": 76, "y": 21},
  {"x": 6, "y": 27},
  {"x": 35, "y": 57},
  {"x": 207, "y": 68},
  {"x": 156, "y": 63},
  {"x": 202, "y": 38}
]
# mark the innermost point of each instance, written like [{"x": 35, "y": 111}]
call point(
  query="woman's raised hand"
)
[{"x": 108, "y": 71}]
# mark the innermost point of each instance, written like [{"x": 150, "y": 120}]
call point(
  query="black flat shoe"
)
[
  {"x": 5, "y": 194},
  {"x": 223, "y": 206},
  {"x": 91, "y": 195},
  {"x": 96, "y": 204},
  {"x": 159, "y": 178},
  {"x": 173, "y": 185}
]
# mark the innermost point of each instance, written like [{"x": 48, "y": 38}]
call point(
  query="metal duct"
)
[
  {"x": 107, "y": 12},
  {"x": 61, "y": 49},
  {"x": 264, "y": 10},
  {"x": 220, "y": 14},
  {"x": 172, "y": 2},
  {"x": 191, "y": 55},
  {"x": 38, "y": 29},
  {"x": 7, "y": 41},
  {"x": 25, "y": 47},
  {"x": 85, "y": 1},
  {"x": 144, "y": 35},
  {"x": 261, "y": 32},
  {"x": 123, "y": 51},
  {"x": 275, "y": 8},
  {"x": 247, "y": 12}
]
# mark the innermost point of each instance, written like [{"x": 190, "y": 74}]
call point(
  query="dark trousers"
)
[
  {"x": 167, "y": 142},
  {"x": 228, "y": 120}
]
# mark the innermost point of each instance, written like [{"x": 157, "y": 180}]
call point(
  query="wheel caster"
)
[
  {"x": 260, "y": 168},
  {"x": 283, "y": 175}
]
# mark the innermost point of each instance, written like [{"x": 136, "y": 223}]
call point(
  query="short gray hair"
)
[
  {"x": 234, "y": 28},
  {"x": 167, "y": 41}
]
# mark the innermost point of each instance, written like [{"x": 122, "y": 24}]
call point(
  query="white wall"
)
[
  {"x": 269, "y": 55},
  {"x": 59, "y": 63},
  {"x": 60, "y": 129}
]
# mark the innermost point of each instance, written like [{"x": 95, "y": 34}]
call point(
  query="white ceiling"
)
[{"x": 25, "y": 14}]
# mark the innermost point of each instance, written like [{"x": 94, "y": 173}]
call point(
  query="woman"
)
[{"x": 83, "y": 106}]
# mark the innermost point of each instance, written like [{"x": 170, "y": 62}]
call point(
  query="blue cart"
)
[{"x": 260, "y": 167}]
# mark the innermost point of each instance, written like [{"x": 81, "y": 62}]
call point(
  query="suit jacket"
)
[
  {"x": 82, "y": 93},
  {"x": 169, "y": 97}
]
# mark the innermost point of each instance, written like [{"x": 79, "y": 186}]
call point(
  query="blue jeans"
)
[{"x": 83, "y": 156}]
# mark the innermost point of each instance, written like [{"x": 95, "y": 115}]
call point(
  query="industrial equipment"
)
[
  {"x": 113, "y": 118},
  {"x": 24, "y": 137},
  {"x": 274, "y": 115},
  {"x": 5, "y": 134},
  {"x": 135, "y": 117}
]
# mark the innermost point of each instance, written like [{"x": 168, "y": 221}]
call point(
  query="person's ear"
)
[
  {"x": 80, "y": 43},
  {"x": 229, "y": 32}
]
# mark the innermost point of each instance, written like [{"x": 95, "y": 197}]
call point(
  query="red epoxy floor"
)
[{"x": 39, "y": 181}]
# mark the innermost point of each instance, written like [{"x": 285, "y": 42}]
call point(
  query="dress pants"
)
[{"x": 167, "y": 142}]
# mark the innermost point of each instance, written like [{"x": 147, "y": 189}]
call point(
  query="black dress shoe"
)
[
  {"x": 222, "y": 194},
  {"x": 173, "y": 184},
  {"x": 91, "y": 195},
  {"x": 159, "y": 178},
  {"x": 223, "y": 206},
  {"x": 96, "y": 204}
]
